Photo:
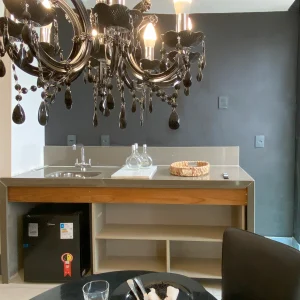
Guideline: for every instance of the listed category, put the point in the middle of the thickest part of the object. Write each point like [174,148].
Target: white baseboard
[290,241]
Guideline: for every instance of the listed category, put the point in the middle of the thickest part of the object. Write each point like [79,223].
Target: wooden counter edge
[127,195]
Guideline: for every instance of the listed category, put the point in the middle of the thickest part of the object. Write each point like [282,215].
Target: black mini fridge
[56,243]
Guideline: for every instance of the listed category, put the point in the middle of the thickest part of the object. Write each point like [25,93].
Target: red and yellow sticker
[67,259]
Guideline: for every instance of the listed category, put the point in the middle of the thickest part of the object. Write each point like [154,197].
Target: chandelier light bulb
[190,24]
[150,36]
[47,3]
[94,32]
[182,6]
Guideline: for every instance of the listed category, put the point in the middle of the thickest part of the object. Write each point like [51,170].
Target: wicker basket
[189,168]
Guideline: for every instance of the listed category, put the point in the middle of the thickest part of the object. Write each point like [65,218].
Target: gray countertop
[238,179]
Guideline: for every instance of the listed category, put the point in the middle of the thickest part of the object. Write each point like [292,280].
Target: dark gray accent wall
[252,59]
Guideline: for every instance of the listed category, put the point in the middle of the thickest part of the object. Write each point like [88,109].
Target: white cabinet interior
[184,239]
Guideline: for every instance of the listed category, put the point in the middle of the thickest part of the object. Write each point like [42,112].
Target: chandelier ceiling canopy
[111,44]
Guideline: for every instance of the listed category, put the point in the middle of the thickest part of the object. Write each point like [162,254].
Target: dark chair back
[256,268]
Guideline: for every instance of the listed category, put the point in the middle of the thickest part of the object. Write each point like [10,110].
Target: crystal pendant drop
[2,68]
[110,102]
[133,107]
[26,34]
[95,119]
[101,106]
[43,115]
[187,91]
[187,81]
[68,98]
[106,112]
[18,115]
[174,121]
[200,76]
[122,118]
[151,107]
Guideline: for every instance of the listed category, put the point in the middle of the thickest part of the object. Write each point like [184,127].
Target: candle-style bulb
[190,24]
[47,4]
[150,36]
[182,6]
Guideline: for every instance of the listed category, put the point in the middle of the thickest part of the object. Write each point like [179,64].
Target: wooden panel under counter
[235,197]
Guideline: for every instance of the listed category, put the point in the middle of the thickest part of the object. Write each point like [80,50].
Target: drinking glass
[96,290]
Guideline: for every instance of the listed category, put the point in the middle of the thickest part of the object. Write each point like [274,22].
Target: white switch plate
[105,140]
[71,140]
[223,102]
[260,141]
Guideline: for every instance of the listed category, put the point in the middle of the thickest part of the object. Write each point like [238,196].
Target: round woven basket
[189,168]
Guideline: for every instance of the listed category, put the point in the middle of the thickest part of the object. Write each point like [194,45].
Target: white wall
[28,139]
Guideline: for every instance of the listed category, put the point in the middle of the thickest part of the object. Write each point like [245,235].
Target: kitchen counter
[238,178]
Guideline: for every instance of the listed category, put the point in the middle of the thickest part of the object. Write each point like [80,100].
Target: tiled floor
[23,291]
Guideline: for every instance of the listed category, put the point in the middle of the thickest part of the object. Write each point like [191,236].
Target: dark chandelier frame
[115,50]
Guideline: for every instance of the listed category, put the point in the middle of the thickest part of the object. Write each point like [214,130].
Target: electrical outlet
[223,102]
[260,141]
[105,140]
[71,140]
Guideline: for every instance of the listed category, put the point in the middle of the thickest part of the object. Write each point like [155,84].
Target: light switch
[105,140]
[260,141]
[71,140]
[223,102]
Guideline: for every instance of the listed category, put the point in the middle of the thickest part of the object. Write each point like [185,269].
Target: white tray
[126,173]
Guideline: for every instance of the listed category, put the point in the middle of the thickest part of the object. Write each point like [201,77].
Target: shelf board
[204,268]
[123,263]
[162,232]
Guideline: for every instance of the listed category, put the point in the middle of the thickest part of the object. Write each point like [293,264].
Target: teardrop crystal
[203,63]
[2,68]
[18,115]
[106,112]
[122,118]
[43,115]
[95,119]
[150,107]
[101,106]
[68,99]
[200,76]
[110,102]
[122,123]
[187,81]
[174,121]
[133,107]
[187,91]
[26,34]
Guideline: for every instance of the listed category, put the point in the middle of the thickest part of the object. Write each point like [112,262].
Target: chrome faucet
[83,165]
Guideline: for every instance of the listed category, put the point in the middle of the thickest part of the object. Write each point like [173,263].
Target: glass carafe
[137,151]
[146,159]
[133,161]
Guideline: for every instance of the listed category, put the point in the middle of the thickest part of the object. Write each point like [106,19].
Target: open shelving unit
[173,238]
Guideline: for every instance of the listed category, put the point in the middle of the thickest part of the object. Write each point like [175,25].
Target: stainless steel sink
[73,174]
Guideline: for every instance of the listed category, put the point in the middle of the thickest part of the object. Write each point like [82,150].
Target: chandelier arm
[152,78]
[81,48]
[80,52]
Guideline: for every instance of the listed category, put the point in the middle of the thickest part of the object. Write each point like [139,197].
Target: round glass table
[73,290]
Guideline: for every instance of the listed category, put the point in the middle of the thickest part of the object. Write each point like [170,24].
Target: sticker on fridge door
[33,229]
[66,231]
[67,259]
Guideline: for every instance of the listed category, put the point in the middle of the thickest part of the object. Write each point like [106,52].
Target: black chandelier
[111,43]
